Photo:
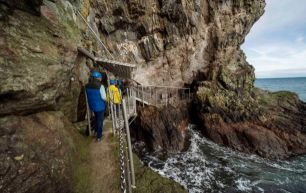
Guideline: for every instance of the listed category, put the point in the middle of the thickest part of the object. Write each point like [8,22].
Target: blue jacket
[95,102]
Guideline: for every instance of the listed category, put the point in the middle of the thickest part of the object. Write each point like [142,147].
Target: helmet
[96,74]
[112,81]
[118,81]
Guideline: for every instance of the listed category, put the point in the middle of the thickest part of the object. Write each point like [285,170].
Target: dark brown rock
[161,130]
[35,153]
[31,6]
[273,126]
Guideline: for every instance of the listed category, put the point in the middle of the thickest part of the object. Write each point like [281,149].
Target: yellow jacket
[114,94]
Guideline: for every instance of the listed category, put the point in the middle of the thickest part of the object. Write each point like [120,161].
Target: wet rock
[35,153]
[161,130]
[271,125]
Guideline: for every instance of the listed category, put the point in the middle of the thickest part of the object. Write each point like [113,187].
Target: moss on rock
[149,181]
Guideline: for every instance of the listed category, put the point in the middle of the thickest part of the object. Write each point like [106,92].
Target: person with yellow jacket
[114,95]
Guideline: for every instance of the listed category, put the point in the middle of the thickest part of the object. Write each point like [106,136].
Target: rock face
[38,59]
[40,70]
[161,130]
[180,40]
[35,153]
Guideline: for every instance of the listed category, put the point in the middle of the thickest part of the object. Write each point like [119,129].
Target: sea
[210,168]
[297,85]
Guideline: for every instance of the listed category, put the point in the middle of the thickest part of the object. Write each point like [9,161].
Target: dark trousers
[117,106]
[99,118]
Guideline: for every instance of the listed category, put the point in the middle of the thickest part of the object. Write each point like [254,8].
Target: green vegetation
[81,164]
[149,181]
[268,99]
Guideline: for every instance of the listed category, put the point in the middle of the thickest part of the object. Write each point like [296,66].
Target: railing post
[135,105]
[113,117]
[167,97]
[128,100]
[126,123]
[156,96]
[142,96]
[88,113]
[177,95]
[150,94]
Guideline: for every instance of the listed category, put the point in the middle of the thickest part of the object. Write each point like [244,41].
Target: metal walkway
[120,69]
[125,113]
[160,96]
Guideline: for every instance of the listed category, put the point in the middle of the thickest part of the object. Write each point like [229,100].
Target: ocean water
[209,168]
[297,85]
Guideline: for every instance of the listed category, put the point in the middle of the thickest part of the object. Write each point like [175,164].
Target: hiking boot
[98,140]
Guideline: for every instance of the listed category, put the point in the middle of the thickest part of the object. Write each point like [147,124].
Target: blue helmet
[96,74]
[118,81]
[112,82]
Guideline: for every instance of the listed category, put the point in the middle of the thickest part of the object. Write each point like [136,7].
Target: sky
[276,45]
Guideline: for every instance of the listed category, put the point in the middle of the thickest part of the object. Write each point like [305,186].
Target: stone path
[104,163]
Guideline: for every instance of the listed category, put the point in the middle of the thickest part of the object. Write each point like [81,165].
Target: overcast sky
[276,45]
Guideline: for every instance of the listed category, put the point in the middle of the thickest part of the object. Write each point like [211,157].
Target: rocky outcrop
[271,124]
[161,131]
[35,153]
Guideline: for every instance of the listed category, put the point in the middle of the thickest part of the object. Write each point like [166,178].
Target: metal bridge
[123,116]
[158,96]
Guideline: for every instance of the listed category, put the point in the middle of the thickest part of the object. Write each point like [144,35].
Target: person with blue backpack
[96,96]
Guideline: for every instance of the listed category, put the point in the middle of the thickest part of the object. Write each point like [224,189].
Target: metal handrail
[121,125]
[161,95]
[157,86]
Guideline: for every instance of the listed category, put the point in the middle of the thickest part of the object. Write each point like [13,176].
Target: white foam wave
[209,167]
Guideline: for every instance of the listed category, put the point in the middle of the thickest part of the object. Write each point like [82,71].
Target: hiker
[115,95]
[121,87]
[96,95]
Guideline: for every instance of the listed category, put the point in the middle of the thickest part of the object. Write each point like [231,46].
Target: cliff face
[40,75]
[181,40]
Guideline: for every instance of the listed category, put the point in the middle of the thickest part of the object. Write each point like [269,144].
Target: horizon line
[280,77]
